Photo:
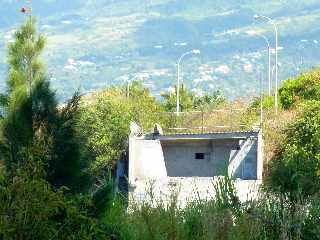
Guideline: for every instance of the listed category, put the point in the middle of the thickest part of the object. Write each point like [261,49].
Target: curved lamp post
[195,51]
[129,81]
[253,33]
[257,17]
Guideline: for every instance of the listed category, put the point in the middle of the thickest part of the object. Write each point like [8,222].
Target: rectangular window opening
[199,155]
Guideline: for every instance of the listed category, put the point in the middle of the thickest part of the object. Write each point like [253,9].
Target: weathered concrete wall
[146,159]
[187,190]
[180,157]
[169,163]
[238,158]
[260,155]
[243,163]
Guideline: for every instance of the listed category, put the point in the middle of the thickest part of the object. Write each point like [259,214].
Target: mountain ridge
[95,44]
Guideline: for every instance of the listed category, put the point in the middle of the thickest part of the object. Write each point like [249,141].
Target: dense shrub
[270,216]
[296,168]
[105,119]
[190,101]
[305,87]
[267,103]
[31,209]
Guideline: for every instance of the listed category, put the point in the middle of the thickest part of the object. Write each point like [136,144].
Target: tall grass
[271,216]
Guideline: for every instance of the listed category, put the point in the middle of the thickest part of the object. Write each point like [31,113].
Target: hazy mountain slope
[92,44]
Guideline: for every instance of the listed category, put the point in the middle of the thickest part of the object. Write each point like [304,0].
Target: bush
[105,123]
[267,103]
[305,87]
[271,216]
[31,209]
[295,170]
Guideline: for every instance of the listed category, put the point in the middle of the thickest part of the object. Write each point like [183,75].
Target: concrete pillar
[131,169]
[260,156]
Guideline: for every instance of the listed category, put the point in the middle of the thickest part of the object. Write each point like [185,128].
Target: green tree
[304,87]
[30,105]
[186,100]
[209,100]
[67,165]
[295,170]
[190,101]
[105,122]
[31,114]
[31,209]
[144,108]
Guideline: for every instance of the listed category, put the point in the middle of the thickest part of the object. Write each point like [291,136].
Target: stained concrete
[186,190]
[198,158]
[180,157]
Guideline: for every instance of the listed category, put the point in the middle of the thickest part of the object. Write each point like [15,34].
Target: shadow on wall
[210,158]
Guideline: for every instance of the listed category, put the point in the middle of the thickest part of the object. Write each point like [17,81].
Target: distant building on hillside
[191,163]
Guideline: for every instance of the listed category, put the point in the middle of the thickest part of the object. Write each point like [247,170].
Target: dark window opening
[199,155]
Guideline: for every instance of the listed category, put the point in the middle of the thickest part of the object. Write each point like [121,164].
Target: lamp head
[196,51]
[251,33]
[256,16]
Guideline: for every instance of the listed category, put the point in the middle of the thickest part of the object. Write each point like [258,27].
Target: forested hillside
[94,44]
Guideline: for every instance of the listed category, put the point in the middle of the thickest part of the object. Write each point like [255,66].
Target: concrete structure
[190,163]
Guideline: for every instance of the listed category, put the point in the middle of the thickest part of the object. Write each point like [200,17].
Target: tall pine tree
[30,104]
[31,118]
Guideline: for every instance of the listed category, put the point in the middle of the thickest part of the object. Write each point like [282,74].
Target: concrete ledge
[207,136]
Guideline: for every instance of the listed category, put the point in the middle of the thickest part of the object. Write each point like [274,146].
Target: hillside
[94,44]
[59,177]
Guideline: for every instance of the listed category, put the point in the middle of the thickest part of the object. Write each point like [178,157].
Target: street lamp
[129,81]
[257,17]
[195,51]
[253,33]
[273,68]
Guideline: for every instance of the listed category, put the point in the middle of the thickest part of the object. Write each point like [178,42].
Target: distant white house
[191,163]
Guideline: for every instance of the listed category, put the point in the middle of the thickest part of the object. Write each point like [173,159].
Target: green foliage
[305,87]
[267,103]
[31,209]
[105,125]
[105,122]
[190,101]
[29,105]
[31,114]
[27,206]
[311,228]
[144,108]
[270,216]
[67,165]
[170,100]
[209,100]
[103,197]
[295,170]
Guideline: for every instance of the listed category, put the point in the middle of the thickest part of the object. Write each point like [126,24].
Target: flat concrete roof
[207,136]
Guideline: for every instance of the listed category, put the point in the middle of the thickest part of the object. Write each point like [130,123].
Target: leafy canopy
[190,101]
[105,121]
[296,168]
[305,87]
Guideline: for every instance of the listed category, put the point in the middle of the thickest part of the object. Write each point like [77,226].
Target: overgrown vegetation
[305,87]
[296,167]
[57,182]
[105,121]
[271,216]
[190,101]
